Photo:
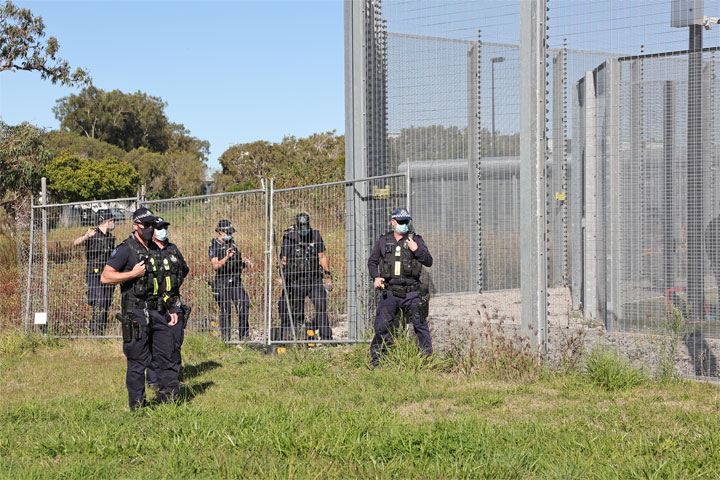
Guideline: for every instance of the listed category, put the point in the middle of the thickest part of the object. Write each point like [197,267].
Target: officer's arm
[422,253]
[110,276]
[324,263]
[374,260]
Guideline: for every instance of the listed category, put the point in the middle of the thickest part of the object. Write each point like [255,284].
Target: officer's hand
[248,262]
[138,270]
[173,319]
[90,233]
[283,262]
[412,244]
[230,253]
[379,281]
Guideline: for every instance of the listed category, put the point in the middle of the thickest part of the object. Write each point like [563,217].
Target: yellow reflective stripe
[155,286]
[168,285]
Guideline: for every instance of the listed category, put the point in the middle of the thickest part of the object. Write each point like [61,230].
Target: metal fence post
[591,206]
[30,261]
[268,187]
[45,244]
[614,229]
[533,256]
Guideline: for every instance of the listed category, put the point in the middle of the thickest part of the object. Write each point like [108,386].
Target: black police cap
[225,226]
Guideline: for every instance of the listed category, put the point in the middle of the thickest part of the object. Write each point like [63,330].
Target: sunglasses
[403,222]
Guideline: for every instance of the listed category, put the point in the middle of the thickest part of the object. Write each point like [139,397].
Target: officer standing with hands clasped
[175,270]
[99,242]
[227,288]
[146,323]
[395,265]
[304,264]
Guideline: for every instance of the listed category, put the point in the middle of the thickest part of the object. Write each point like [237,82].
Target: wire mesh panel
[642,169]
[313,230]
[70,244]
[233,306]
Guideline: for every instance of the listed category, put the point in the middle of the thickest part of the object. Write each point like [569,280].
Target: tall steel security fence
[63,253]
[555,143]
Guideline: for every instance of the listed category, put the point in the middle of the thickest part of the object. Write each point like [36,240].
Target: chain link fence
[64,249]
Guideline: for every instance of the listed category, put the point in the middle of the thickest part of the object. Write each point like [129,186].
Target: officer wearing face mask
[136,264]
[228,264]
[307,274]
[99,242]
[395,264]
[174,269]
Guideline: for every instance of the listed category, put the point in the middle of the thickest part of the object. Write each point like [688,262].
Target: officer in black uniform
[147,324]
[99,242]
[175,270]
[395,265]
[228,264]
[304,264]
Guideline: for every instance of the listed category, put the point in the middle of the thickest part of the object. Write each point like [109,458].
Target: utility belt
[401,291]
[154,304]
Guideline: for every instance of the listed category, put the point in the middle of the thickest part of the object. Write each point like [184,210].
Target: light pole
[493,61]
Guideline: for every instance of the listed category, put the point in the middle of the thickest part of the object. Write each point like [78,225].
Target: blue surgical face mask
[162,234]
[111,227]
[227,238]
[304,232]
[401,229]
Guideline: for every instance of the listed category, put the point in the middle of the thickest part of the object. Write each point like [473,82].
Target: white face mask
[401,229]
[162,234]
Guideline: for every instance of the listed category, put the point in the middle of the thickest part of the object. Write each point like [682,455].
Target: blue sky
[232,72]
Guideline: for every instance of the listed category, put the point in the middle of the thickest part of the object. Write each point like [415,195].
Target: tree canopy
[23,156]
[128,121]
[22,47]
[71,178]
[294,161]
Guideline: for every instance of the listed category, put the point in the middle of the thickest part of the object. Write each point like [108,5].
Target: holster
[186,310]
[126,324]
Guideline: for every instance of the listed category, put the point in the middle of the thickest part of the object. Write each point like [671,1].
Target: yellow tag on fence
[560,196]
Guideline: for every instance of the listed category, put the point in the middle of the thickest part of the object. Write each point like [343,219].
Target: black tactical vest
[303,260]
[398,261]
[147,287]
[171,269]
[97,251]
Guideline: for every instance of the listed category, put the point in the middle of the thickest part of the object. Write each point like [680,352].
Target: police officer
[228,264]
[305,266]
[395,265]
[175,270]
[99,242]
[147,324]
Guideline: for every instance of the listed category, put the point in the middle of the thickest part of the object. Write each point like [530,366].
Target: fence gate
[349,216]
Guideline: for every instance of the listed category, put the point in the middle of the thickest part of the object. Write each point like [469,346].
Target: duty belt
[402,290]
[156,304]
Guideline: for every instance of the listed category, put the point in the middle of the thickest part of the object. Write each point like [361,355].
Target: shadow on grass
[192,371]
[189,392]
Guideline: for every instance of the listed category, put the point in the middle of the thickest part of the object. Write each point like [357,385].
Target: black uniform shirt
[422,254]
[97,250]
[123,259]
[233,266]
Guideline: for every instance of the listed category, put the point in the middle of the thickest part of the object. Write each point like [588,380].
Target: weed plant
[609,370]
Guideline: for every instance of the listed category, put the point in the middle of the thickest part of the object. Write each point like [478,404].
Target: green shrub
[404,355]
[607,369]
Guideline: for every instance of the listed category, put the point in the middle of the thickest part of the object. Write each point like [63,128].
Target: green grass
[324,414]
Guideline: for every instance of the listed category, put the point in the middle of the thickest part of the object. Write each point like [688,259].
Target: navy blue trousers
[387,323]
[231,292]
[99,297]
[318,296]
[178,333]
[156,345]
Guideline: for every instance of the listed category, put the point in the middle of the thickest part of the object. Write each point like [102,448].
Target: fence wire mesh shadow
[69,244]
